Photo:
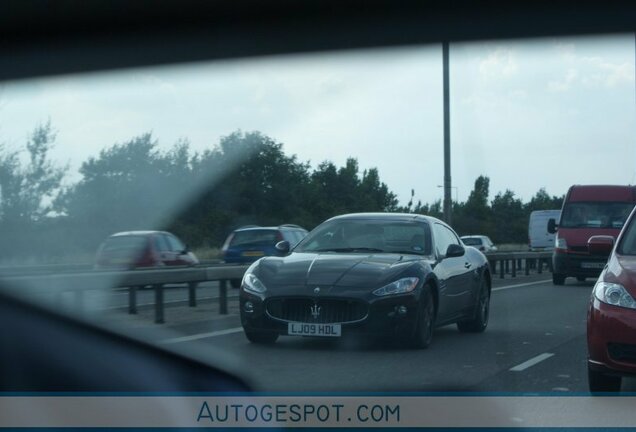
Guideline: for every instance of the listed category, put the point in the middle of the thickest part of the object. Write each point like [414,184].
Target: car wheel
[261,337]
[580,278]
[558,279]
[479,323]
[235,283]
[425,321]
[600,382]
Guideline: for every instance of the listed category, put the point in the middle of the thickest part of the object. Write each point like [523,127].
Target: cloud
[590,71]
[500,63]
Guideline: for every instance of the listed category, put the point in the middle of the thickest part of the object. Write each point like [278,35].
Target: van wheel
[558,279]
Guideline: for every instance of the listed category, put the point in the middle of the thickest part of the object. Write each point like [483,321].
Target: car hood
[329,271]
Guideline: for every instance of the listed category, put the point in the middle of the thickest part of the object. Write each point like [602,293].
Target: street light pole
[447,164]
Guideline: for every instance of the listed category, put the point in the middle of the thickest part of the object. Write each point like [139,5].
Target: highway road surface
[535,342]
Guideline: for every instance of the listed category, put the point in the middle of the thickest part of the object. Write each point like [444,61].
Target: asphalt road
[535,342]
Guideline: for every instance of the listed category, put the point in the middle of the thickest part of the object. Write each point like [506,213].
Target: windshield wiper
[349,249]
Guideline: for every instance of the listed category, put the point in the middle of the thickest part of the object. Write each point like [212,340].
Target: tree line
[246,178]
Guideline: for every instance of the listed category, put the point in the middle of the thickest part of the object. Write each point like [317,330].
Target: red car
[132,249]
[611,320]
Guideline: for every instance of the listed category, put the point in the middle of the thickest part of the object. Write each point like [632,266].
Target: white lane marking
[202,335]
[521,285]
[529,363]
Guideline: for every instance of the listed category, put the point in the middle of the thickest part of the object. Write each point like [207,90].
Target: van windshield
[595,214]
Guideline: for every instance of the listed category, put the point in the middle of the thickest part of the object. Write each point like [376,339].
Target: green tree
[28,190]
[509,219]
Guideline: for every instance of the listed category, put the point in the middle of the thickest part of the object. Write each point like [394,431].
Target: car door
[454,273]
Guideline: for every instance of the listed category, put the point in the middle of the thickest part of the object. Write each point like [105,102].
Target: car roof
[276,228]
[137,233]
[391,216]
[474,236]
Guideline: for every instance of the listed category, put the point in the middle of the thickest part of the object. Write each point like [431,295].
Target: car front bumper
[569,264]
[389,316]
[611,338]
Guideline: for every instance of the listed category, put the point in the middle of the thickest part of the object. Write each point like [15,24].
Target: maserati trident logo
[315,311]
[317,290]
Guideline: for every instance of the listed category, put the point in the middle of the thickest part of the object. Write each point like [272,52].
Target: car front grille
[321,311]
[622,352]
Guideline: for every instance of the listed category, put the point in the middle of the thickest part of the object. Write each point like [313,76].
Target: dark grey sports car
[372,273]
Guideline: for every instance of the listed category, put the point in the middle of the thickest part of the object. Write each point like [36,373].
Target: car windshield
[472,241]
[254,237]
[595,214]
[369,235]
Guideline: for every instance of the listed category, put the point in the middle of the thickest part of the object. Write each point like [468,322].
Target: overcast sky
[545,113]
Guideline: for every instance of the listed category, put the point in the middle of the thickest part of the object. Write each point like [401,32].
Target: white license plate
[592,265]
[308,329]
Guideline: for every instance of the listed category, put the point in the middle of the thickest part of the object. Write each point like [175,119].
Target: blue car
[247,244]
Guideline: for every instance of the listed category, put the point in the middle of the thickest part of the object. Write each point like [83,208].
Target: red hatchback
[132,249]
[611,321]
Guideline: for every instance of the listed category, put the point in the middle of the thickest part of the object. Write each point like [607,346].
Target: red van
[587,211]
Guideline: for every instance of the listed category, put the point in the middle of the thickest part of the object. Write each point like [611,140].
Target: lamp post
[456,191]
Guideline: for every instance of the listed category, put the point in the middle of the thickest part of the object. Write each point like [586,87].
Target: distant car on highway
[588,210]
[247,244]
[539,238]
[481,242]
[132,249]
[397,275]
[611,319]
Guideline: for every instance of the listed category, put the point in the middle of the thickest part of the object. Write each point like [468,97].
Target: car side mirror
[600,245]
[552,226]
[283,247]
[454,250]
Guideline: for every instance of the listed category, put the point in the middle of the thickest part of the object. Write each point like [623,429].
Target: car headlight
[560,243]
[398,287]
[253,284]
[614,294]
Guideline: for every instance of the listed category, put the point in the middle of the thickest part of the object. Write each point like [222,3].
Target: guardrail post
[223,297]
[493,266]
[514,268]
[549,261]
[159,304]
[507,263]
[192,294]
[132,300]
[539,265]
[527,266]
[501,269]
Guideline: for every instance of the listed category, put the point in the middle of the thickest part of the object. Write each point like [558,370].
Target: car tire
[261,337]
[558,279]
[235,283]
[580,278]
[479,322]
[599,382]
[425,325]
